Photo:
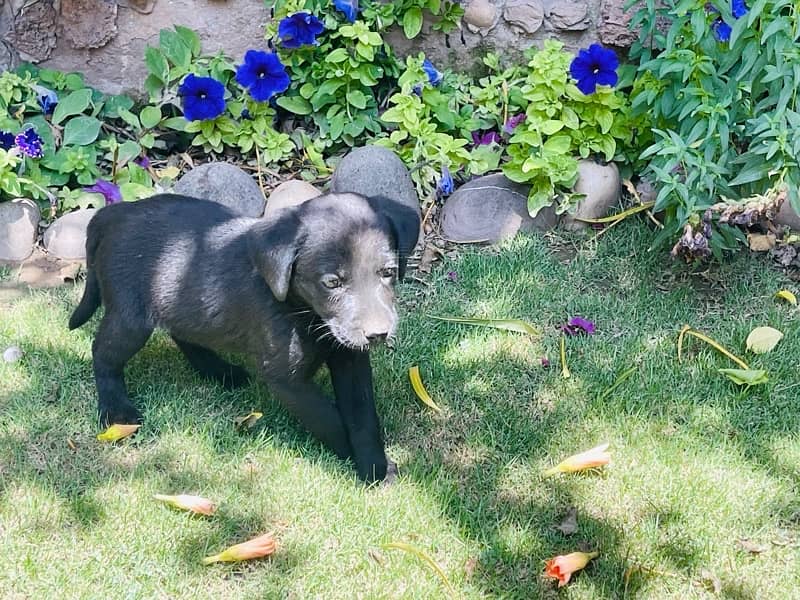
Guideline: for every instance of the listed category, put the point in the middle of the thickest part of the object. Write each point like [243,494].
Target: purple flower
[452,276]
[545,362]
[445,186]
[417,89]
[47,99]
[203,97]
[348,7]
[577,326]
[6,140]
[738,8]
[262,74]
[513,122]
[485,138]
[299,29]
[721,30]
[434,76]
[30,143]
[110,191]
[594,66]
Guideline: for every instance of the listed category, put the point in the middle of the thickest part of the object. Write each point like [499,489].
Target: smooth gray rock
[19,220]
[289,193]
[524,15]
[601,184]
[491,208]
[224,183]
[12,354]
[569,16]
[480,13]
[375,171]
[66,237]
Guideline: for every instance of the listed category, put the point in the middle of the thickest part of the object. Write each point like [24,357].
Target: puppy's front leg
[351,374]
[316,411]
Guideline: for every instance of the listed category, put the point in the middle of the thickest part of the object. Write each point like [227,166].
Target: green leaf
[150,116]
[157,64]
[190,38]
[505,324]
[412,22]
[176,123]
[81,131]
[763,339]
[74,104]
[115,103]
[128,150]
[337,56]
[551,126]
[134,191]
[175,48]
[357,98]
[295,104]
[746,377]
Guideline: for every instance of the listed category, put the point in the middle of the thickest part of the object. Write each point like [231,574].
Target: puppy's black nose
[376,338]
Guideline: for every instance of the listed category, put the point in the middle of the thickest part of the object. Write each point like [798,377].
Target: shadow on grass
[481,461]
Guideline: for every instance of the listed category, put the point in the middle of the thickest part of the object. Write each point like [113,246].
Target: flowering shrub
[719,89]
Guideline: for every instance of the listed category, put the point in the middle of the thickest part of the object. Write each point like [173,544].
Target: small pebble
[12,354]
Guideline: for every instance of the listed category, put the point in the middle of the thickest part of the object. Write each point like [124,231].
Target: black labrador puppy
[314,285]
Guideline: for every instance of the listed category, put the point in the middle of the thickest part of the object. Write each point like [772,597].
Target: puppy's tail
[89,303]
[91,294]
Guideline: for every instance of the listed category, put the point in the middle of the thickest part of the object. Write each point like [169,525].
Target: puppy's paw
[373,471]
[121,413]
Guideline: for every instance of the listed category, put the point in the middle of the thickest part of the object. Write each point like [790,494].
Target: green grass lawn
[698,463]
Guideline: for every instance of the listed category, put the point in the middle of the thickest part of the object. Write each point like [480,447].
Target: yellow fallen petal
[195,504]
[763,339]
[419,389]
[117,432]
[788,296]
[596,457]
[263,545]
[248,420]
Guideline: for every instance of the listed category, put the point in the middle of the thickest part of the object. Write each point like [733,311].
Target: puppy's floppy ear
[273,248]
[404,222]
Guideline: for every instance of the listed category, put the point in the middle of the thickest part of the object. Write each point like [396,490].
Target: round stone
[226,184]
[19,222]
[489,209]
[480,13]
[287,194]
[66,237]
[601,186]
[12,354]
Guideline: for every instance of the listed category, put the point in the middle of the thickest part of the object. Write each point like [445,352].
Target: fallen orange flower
[562,567]
[596,457]
[117,432]
[263,545]
[195,504]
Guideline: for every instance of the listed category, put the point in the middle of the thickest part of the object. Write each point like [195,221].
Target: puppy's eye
[331,281]
[388,272]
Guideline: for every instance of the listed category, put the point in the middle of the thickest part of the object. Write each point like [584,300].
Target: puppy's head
[341,255]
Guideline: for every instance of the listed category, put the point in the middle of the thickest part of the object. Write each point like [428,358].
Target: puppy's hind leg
[114,345]
[209,364]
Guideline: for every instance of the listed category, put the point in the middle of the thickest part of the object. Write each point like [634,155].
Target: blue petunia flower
[110,191]
[738,8]
[445,186]
[47,99]
[7,140]
[30,143]
[485,138]
[203,97]
[434,76]
[722,31]
[262,74]
[348,7]
[594,66]
[299,29]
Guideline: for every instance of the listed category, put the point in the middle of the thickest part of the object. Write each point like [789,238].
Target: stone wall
[105,39]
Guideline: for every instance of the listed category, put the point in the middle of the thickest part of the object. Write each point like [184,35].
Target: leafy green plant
[561,123]
[720,88]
